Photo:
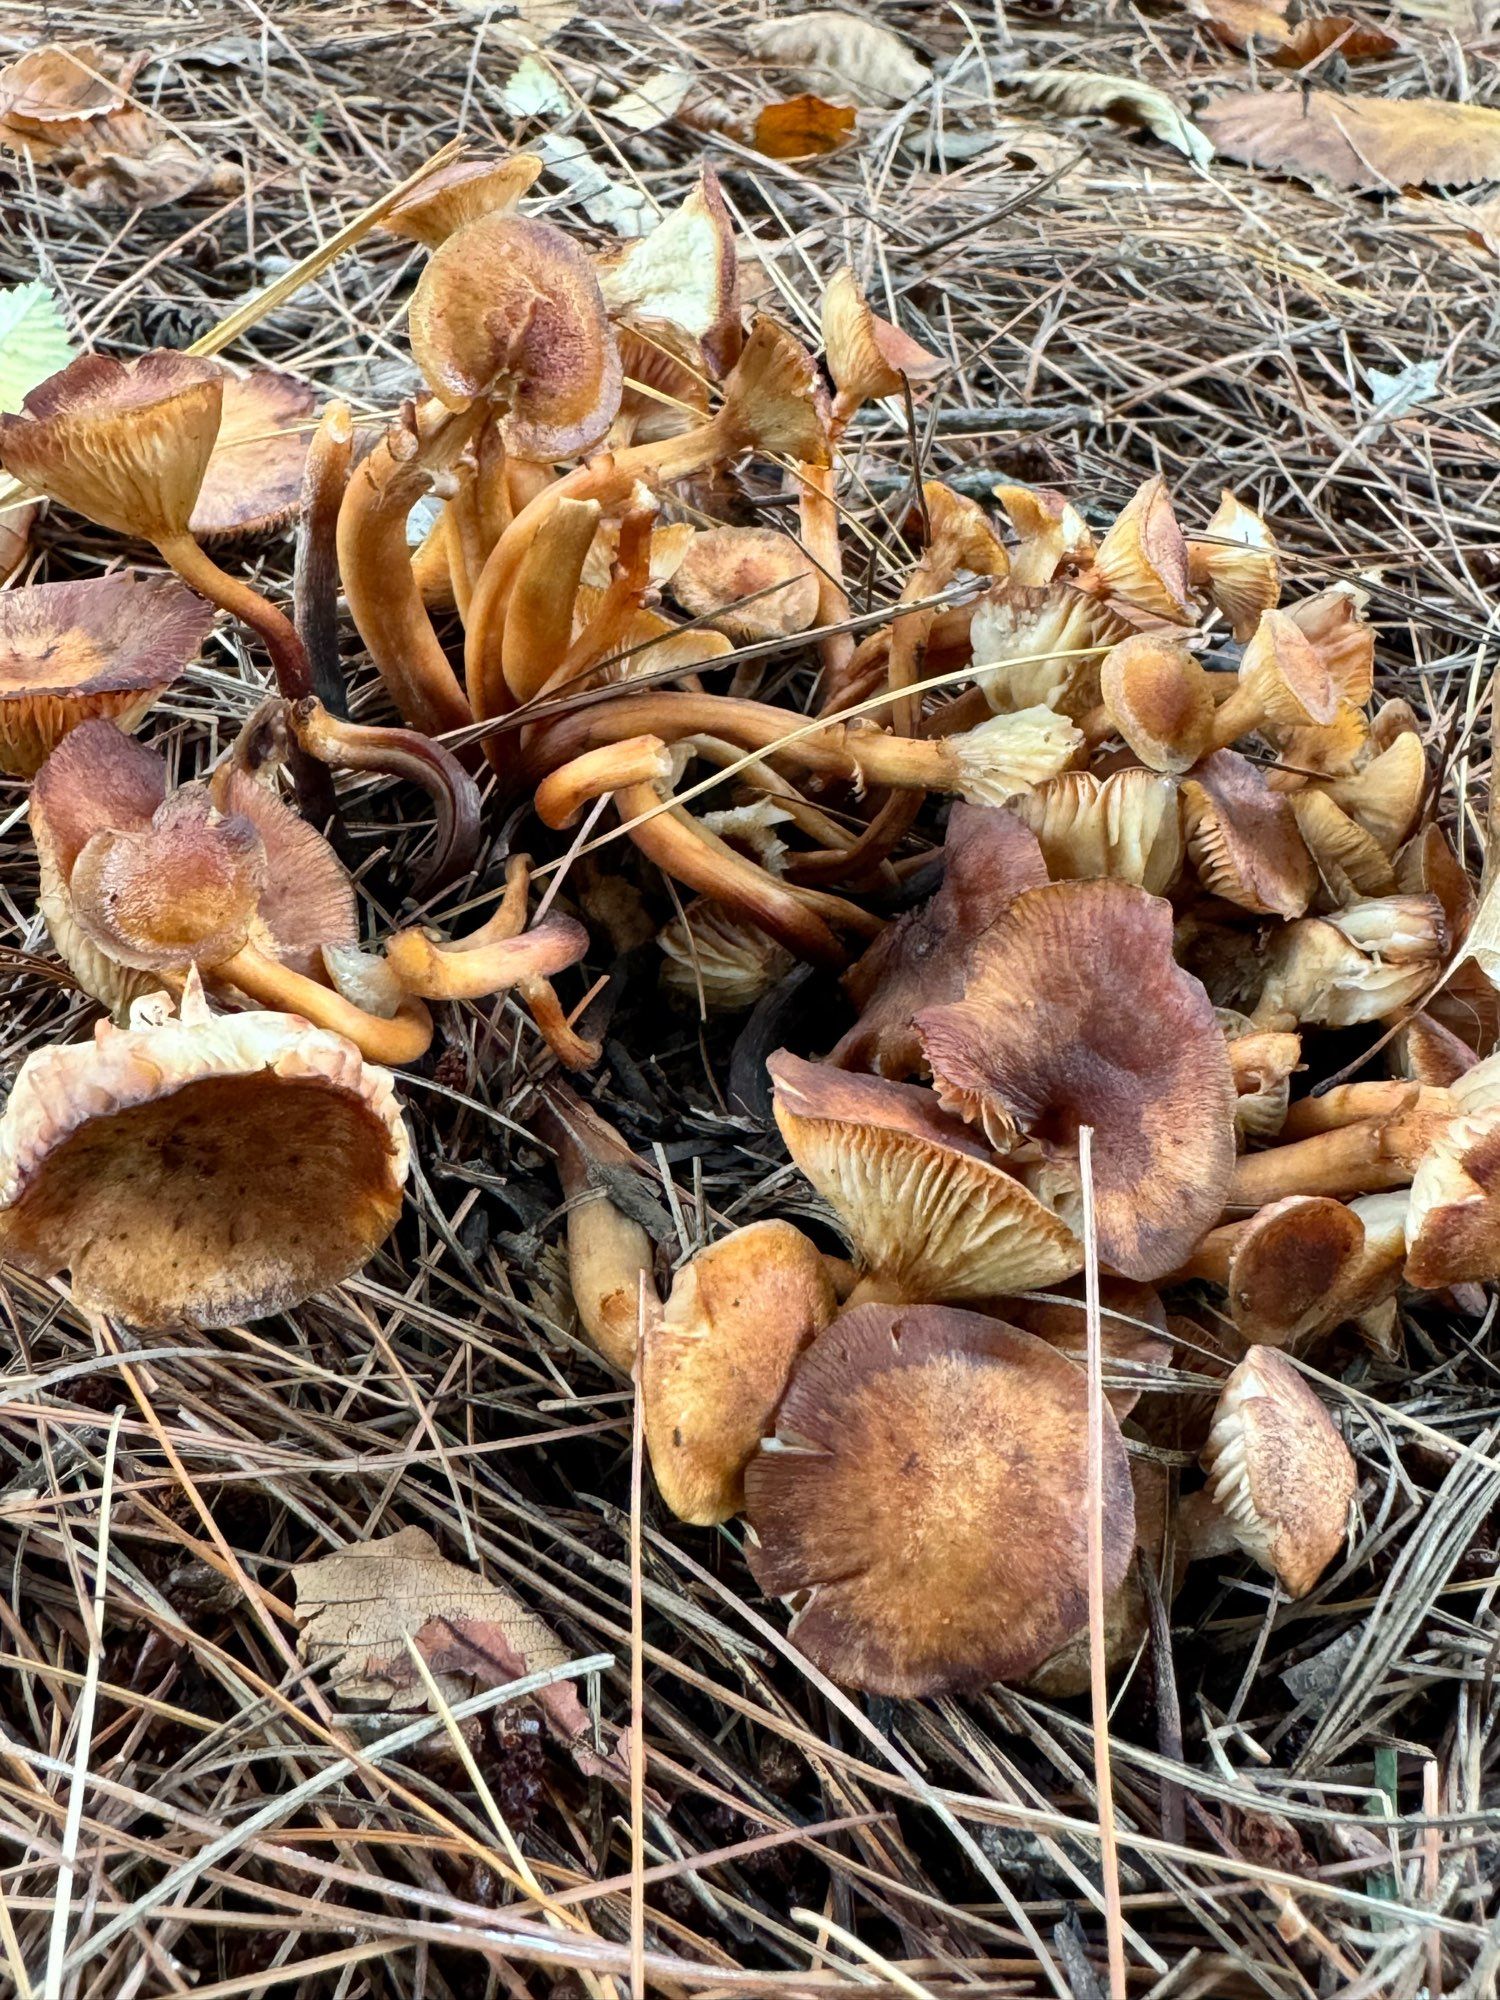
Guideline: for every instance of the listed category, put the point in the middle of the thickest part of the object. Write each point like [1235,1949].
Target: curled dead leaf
[802,126]
[1084,93]
[1358,142]
[830,48]
[1238,23]
[1313,36]
[166,172]
[72,96]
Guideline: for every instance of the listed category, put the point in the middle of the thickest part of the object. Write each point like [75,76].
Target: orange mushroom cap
[1160,700]
[1144,559]
[867,356]
[457,195]
[752,583]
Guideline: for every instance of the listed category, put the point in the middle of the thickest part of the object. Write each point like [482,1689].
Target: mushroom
[1362,963]
[1350,862]
[1077,1015]
[719,961]
[1054,537]
[1160,700]
[1133,1331]
[610,1257]
[752,583]
[922,1501]
[253,480]
[1281,1480]
[1453,1223]
[931,1215]
[459,194]
[1127,826]
[1284,1268]
[103,648]
[200,1170]
[718,1357]
[1243,838]
[1235,561]
[1046,644]
[682,277]
[1432,1054]
[1386,795]
[1143,559]
[1262,1062]
[1068,1673]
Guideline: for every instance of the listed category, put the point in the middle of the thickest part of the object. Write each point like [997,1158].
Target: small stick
[315,593]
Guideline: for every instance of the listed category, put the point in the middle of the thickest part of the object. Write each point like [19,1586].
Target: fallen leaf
[829,49]
[533,91]
[72,95]
[801,126]
[1085,92]
[166,172]
[357,1607]
[1316,34]
[34,341]
[651,103]
[1358,142]
[1238,23]
[628,211]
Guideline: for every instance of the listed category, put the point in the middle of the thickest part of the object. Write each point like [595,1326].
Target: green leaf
[34,342]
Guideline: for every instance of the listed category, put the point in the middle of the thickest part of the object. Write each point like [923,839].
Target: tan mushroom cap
[1262,1062]
[1041,644]
[1160,700]
[1453,1223]
[1243,838]
[752,583]
[1289,1264]
[103,648]
[1350,862]
[1128,826]
[923,1501]
[1386,795]
[928,1211]
[1133,1331]
[666,382]
[459,194]
[254,478]
[867,356]
[1068,1672]
[923,958]
[1279,1474]
[1052,535]
[202,1170]
[684,272]
[308,905]
[1334,622]
[1144,559]
[510,308]
[1361,963]
[1236,563]
[717,1362]
[124,443]
[1077,1014]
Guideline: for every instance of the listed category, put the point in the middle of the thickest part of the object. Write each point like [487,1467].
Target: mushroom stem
[1349,1103]
[404,753]
[539,614]
[485,963]
[1213,1256]
[405,1038]
[315,595]
[573,1051]
[564,794]
[1364,1158]
[818,514]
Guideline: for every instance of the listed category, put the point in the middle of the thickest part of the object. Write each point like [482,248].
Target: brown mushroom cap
[1160,700]
[717,1362]
[1052,534]
[200,1171]
[923,958]
[254,478]
[1289,675]
[923,1498]
[684,272]
[510,308]
[928,1211]
[1289,1265]
[1144,559]
[867,356]
[307,905]
[1453,1223]
[124,443]
[1334,622]
[752,583]
[1431,1053]
[1076,1014]
[102,648]
[1279,1474]
[459,194]
[1236,563]
[1133,1331]
[1243,840]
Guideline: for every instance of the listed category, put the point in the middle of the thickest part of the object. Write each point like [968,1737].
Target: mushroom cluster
[1183,847]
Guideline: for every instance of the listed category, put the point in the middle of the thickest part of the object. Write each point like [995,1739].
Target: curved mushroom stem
[487,962]
[315,593]
[538,632]
[375,563]
[405,1038]
[573,1051]
[1364,1158]
[403,753]
[564,794]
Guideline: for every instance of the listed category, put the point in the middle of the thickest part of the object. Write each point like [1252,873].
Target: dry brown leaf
[1238,23]
[166,172]
[356,1608]
[1316,34]
[829,49]
[71,97]
[1085,93]
[800,126]
[1358,142]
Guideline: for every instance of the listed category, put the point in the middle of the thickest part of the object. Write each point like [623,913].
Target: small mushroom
[720,961]
[253,480]
[752,583]
[1350,862]
[103,648]
[1362,963]
[1127,826]
[1243,838]
[1235,561]
[718,1358]
[1143,559]
[683,275]
[1160,700]
[1386,796]
[1262,1062]
[1453,1223]
[201,1170]
[922,1501]
[1283,1268]
[1054,538]
[457,195]
[1046,644]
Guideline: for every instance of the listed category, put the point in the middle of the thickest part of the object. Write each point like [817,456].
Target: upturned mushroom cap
[922,1501]
[726,963]
[929,1213]
[752,583]
[104,648]
[1335,624]
[1288,675]
[773,400]
[125,443]
[253,482]
[1052,535]
[1289,1264]
[1453,1222]
[1144,559]
[202,1170]
[1386,796]
[1279,1474]
[666,382]
[1242,838]
[923,958]
[716,1364]
[510,309]
[1128,826]
[1160,700]
[1236,563]
[1076,1014]
[867,356]
[1035,645]
[1009,754]
[1350,862]
[684,272]
[307,906]
[460,194]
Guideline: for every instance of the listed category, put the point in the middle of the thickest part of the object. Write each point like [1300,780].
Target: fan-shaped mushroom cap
[1287,677]
[867,356]
[102,648]
[1261,1061]
[1386,796]
[1453,1223]
[1041,645]
[1144,559]
[1334,622]
[1243,840]
[253,482]
[1132,1329]
[202,1170]
[1279,1474]
[923,958]
[1010,753]
[1052,534]
[684,272]
[923,1500]
[307,906]
[1236,563]
[1128,826]
[1350,862]
[717,1362]
[1427,866]
[929,1213]
[460,194]
[752,583]
[1160,700]
[509,308]
[124,443]
[773,400]
[1076,1014]
[724,961]
[1360,963]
